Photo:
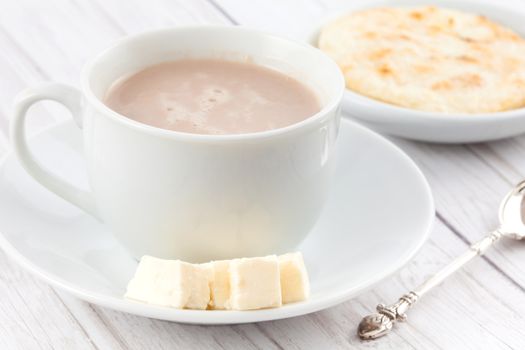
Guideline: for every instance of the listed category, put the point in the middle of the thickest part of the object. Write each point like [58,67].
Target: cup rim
[333,102]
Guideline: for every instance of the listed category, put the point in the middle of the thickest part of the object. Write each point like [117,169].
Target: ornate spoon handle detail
[376,325]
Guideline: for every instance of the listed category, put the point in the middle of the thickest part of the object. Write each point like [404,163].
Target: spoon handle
[378,324]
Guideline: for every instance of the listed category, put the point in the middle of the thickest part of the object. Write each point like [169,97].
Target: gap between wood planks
[223,12]
[72,315]
[465,240]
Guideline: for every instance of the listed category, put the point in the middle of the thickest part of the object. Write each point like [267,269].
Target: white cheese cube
[295,285]
[254,283]
[219,275]
[197,282]
[172,283]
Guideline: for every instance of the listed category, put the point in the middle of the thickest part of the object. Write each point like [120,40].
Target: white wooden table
[481,307]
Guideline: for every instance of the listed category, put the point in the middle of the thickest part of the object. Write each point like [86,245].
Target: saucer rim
[217,317]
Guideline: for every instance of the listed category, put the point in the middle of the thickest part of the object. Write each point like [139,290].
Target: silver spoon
[512,225]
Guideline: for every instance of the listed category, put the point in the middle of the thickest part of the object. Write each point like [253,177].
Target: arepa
[429,58]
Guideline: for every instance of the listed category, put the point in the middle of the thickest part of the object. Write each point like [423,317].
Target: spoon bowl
[512,213]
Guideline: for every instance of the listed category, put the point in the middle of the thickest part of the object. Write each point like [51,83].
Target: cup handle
[72,100]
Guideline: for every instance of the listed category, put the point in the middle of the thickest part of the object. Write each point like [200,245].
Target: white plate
[427,126]
[379,214]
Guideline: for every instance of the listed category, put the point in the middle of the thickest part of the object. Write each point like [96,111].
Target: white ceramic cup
[197,197]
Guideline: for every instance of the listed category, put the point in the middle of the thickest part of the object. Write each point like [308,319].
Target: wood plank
[291,19]
[468,310]
[33,317]
[3,142]
[467,192]
[143,16]
[450,317]
[107,21]
[69,33]
[18,72]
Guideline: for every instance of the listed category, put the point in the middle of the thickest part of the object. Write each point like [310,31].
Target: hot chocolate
[212,96]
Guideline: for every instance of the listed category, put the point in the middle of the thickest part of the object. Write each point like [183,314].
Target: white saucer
[378,216]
